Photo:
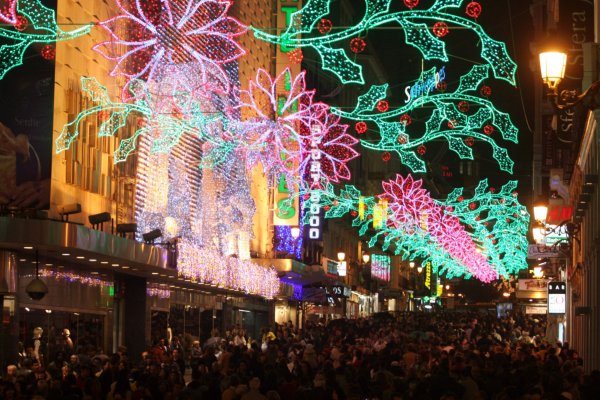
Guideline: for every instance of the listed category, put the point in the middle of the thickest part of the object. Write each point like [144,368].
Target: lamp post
[552,69]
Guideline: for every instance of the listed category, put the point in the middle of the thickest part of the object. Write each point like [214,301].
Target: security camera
[36,289]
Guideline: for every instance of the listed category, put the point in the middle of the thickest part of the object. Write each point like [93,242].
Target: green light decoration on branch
[494,221]
[162,121]
[303,32]
[35,23]
[459,117]
[497,221]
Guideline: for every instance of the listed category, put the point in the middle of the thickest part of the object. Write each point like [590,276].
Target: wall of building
[86,174]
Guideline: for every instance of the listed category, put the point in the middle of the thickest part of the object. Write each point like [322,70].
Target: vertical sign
[286,209]
[428,274]
[314,201]
[557,297]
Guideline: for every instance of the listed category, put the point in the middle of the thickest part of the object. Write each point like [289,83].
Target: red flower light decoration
[422,149]
[8,11]
[295,56]
[486,91]
[473,9]
[151,34]
[488,129]
[440,29]
[48,52]
[336,148]
[411,3]
[469,141]
[357,45]
[360,127]
[406,119]
[463,106]
[324,26]
[386,156]
[383,106]
[22,23]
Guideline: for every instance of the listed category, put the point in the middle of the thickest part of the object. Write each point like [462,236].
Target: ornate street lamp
[552,69]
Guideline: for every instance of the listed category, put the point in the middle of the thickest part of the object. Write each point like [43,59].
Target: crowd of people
[420,356]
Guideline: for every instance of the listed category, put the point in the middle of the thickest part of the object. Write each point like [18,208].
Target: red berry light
[48,52]
[22,23]
[473,9]
[357,45]
[440,29]
[360,127]
[383,106]
[422,149]
[486,91]
[295,56]
[402,138]
[469,141]
[488,129]
[406,119]
[386,156]
[463,106]
[324,26]
[411,3]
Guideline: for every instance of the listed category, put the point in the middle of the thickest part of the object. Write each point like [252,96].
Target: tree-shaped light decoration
[497,221]
[29,22]
[417,24]
[149,35]
[482,240]
[459,117]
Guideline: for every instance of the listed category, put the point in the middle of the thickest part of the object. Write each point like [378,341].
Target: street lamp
[295,232]
[540,210]
[365,258]
[552,69]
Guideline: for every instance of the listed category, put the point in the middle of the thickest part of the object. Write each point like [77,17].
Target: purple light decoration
[285,241]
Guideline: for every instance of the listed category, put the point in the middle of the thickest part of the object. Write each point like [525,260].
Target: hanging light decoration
[357,45]
[324,26]
[473,9]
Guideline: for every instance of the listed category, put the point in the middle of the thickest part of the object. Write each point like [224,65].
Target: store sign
[314,205]
[557,297]
[536,251]
[285,210]
[426,85]
[381,267]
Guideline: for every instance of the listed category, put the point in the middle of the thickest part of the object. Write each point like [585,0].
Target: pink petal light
[413,207]
[8,11]
[151,34]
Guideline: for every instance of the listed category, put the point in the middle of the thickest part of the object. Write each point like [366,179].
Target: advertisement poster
[26,114]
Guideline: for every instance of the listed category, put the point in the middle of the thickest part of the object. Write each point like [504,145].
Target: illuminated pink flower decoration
[335,148]
[406,198]
[274,126]
[8,11]
[152,33]
[412,207]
